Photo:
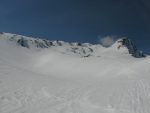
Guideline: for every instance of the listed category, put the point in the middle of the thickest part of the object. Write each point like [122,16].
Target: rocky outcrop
[131,48]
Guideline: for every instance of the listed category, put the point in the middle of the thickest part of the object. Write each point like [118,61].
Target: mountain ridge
[84,49]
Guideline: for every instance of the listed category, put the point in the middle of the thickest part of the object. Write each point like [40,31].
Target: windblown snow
[41,76]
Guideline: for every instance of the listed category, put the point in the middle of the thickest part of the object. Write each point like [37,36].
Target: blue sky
[78,20]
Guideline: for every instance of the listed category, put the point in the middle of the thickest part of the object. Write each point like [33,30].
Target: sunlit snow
[59,80]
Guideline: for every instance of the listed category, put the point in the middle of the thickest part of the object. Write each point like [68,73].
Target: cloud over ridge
[107,40]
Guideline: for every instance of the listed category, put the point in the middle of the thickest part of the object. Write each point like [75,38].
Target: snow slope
[60,77]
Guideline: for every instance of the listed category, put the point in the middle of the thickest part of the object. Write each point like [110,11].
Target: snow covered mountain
[42,76]
[82,49]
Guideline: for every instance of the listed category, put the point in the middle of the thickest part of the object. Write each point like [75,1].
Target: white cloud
[107,41]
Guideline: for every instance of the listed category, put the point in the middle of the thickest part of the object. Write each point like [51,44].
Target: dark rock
[91,50]
[59,43]
[23,42]
[131,48]
[79,44]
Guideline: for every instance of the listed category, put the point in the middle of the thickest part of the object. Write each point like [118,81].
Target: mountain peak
[132,49]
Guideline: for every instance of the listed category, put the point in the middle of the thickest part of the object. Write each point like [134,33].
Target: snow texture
[42,76]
